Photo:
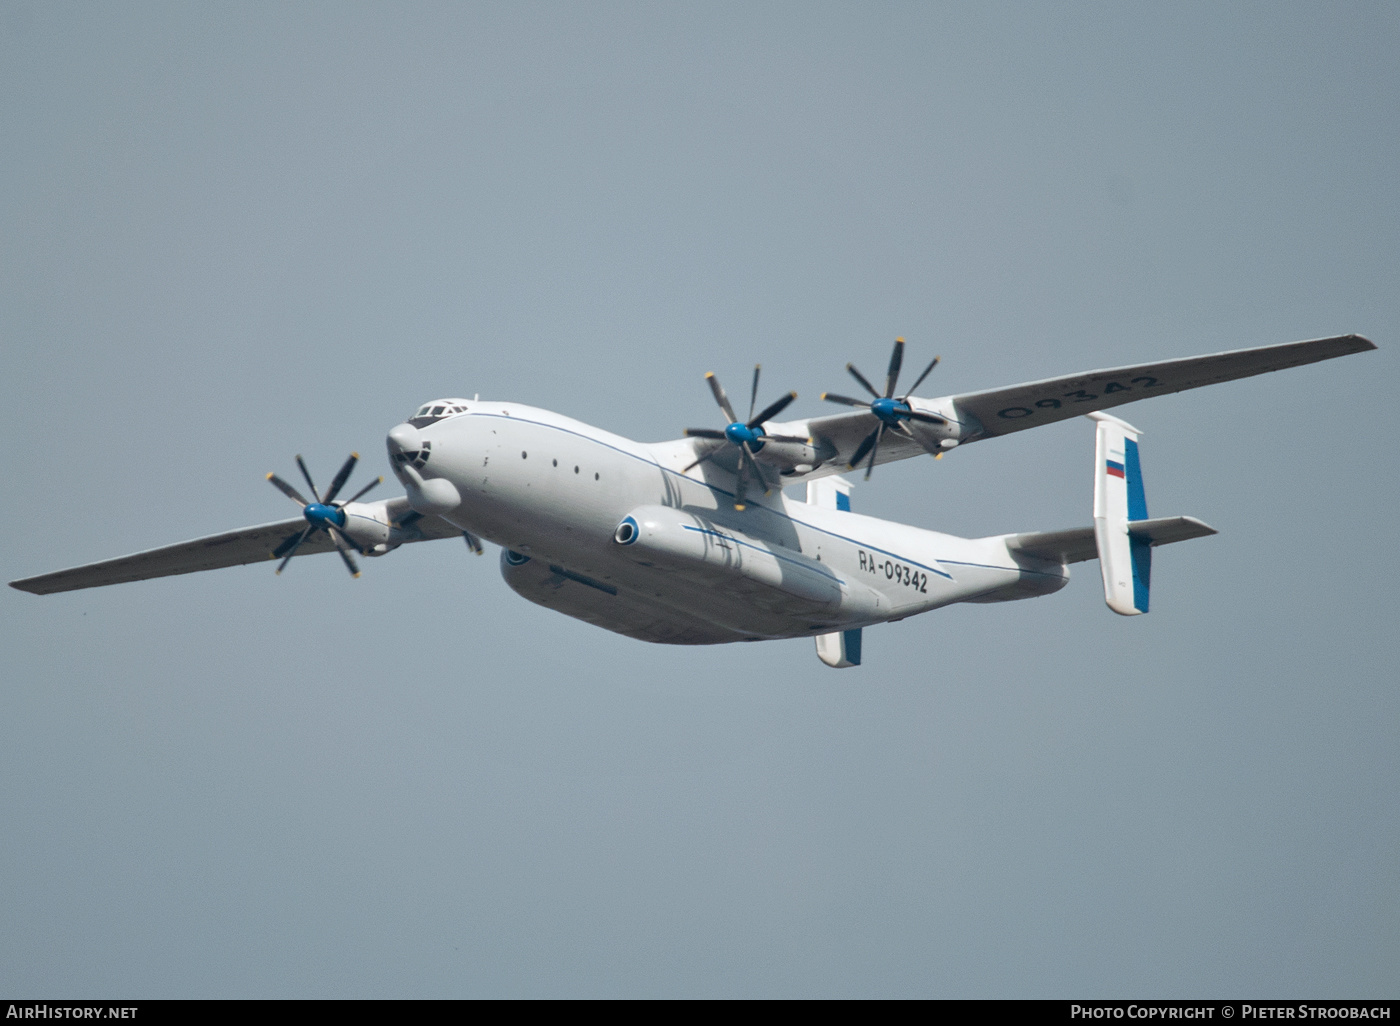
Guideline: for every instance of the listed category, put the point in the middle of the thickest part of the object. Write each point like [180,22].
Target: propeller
[892,413]
[748,435]
[325,514]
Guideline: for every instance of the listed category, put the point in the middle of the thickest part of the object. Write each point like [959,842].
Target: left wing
[987,414]
[232,548]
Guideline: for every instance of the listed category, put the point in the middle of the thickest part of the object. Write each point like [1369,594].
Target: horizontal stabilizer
[1077,544]
[1072,546]
[1165,530]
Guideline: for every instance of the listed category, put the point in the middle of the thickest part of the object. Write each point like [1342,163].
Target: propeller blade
[741,480]
[341,477]
[862,449]
[707,456]
[356,497]
[343,549]
[704,433]
[896,361]
[845,400]
[753,395]
[287,489]
[851,369]
[927,418]
[915,387]
[292,553]
[875,450]
[307,474]
[721,398]
[772,411]
[286,544]
[753,467]
[929,447]
[786,438]
[473,542]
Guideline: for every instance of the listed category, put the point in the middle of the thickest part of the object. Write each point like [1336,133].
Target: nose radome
[403,438]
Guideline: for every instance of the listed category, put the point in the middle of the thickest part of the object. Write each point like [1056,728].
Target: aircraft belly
[618,609]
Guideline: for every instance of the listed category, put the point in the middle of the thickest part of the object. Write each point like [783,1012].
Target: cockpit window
[440,409]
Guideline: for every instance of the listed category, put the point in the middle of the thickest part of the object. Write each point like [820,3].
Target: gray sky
[232,234]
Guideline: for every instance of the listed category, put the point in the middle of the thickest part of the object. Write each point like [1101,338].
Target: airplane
[694,542]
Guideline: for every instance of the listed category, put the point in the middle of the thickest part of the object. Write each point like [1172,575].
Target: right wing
[232,548]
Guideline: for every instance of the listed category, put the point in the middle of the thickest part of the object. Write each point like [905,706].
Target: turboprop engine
[786,453]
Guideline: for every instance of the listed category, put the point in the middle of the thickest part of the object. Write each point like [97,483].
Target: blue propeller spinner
[747,436]
[892,413]
[325,514]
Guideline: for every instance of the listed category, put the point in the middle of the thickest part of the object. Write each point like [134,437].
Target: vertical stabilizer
[1125,560]
[839,649]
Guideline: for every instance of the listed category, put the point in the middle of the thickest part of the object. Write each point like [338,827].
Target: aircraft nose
[403,438]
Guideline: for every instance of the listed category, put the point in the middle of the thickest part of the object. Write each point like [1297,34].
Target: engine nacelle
[793,457]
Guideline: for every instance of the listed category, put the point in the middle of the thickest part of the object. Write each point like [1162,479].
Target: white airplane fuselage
[554,493]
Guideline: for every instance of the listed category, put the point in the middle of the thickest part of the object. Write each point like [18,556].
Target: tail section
[1125,557]
[840,649]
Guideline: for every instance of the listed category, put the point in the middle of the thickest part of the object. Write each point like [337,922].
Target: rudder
[1125,559]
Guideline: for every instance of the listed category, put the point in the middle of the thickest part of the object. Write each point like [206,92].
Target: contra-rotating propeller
[891,412]
[325,514]
[747,435]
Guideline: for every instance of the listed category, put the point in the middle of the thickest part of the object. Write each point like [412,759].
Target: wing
[1000,411]
[232,548]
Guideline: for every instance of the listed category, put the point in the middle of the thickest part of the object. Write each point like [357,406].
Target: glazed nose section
[409,452]
[403,439]
[407,447]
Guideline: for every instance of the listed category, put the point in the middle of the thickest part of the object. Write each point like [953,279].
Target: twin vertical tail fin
[840,649]
[1125,557]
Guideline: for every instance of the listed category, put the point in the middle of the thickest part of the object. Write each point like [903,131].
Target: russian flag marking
[1115,469]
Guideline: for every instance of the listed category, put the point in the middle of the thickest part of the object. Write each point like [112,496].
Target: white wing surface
[232,548]
[1000,411]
